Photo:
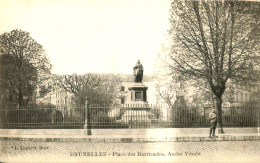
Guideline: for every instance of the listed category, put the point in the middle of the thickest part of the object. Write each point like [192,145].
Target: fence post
[87,118]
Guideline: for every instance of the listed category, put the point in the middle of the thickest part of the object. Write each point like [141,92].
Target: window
[138,96]
[122,88]
[144,96]
[122,100]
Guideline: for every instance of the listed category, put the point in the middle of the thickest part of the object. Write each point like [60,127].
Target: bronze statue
[138,72]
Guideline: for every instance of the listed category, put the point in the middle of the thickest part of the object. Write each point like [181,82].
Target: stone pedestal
[138,93]
[137,110]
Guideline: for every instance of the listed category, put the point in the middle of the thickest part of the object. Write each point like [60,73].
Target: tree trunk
[20,99]
[20,92]
[219,113]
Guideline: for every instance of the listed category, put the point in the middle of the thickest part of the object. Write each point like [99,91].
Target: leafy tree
[9,80]
[43,90]
[25,62]
[215,41]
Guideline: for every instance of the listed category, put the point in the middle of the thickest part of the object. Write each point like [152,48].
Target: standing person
[213,123]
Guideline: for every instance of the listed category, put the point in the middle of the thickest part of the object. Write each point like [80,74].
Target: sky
[92,36]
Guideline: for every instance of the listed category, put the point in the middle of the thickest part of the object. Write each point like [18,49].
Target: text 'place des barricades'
[125,116]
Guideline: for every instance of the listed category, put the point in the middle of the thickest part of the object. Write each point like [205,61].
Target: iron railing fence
[125,116]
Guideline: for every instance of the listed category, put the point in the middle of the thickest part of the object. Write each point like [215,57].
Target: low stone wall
[110,132]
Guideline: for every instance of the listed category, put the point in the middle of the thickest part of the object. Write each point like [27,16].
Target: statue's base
[138,93]
[137,86]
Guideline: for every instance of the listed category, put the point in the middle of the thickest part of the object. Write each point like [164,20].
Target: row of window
[248,88]
[242,97]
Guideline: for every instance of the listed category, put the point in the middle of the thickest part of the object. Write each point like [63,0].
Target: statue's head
[138,61]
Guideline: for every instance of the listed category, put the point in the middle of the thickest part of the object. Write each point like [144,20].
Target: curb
[136,140]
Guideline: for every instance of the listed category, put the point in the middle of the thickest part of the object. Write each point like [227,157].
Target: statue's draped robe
[138,72]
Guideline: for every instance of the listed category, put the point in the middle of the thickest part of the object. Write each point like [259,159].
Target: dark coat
[213,120]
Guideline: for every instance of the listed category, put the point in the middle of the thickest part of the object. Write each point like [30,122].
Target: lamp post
[87,118]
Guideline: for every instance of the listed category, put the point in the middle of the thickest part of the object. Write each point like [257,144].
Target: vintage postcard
[129,81]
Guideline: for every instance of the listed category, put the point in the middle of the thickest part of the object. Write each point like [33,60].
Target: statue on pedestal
[138,72]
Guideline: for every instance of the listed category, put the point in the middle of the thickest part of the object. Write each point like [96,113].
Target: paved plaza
[209,151]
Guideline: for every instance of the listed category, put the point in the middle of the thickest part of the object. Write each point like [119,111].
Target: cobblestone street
[219,151]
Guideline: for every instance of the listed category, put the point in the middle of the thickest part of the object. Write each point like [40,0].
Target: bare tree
[170,87]
[214,41]
[96,88]
[26,64]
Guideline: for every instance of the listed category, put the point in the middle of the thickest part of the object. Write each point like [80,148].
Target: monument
[137,110]
[138,89]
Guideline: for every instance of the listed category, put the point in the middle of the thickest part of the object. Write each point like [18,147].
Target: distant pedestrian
[213,122]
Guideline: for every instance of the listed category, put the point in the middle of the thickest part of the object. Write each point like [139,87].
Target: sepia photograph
[130,81]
